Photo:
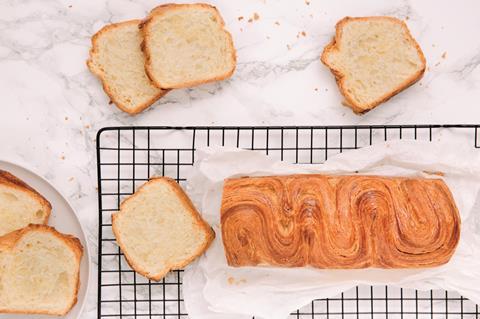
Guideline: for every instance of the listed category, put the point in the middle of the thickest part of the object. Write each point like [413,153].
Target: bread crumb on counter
[255,17]
[240,18]
[232,281]
[434,173]
[444,55]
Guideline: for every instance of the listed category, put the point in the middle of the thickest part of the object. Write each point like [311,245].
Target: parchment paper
[212,289]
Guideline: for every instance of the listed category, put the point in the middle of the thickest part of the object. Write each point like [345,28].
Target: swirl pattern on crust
[343,222]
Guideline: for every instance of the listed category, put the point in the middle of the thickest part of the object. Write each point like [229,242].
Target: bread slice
[373,58]
[187,45]
[39,271]
[158,229]
[117,60]
[20,204]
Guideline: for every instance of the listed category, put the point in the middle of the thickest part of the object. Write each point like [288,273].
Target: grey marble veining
[52,106]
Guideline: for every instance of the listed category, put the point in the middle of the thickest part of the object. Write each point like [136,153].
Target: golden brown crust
[11,180]
[159,10]
[100,76]
[338,222]
[8,242]
[339,76]
[200,222]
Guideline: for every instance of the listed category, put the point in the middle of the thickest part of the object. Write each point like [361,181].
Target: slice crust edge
[339,75]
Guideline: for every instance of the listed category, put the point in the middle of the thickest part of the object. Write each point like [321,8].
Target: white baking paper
[214,290]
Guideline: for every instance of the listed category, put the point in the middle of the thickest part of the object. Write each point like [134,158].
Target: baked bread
[187,45]
[158,229]
[117,60]
[338,222]
[373,58]
[20,204]
[39,271]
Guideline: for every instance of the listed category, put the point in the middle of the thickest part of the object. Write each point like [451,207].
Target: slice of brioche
[117,60]
[39,271]
[20,204]
[373,58]
[158,229]
[187,45]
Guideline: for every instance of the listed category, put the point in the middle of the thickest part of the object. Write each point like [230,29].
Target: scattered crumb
[437,64]
[434,173]
[428,68]
[111,102]
[421,84]
[71,179]
[62,157]
[255,17]
[344,103]
[303,34]
[307,2]
[277,23]
[66,118]
[232,281]
[407,18]
[241,29]
[311,15]
[289,46]
[444,55]
[326,90]
[433,45]
[87,126]
[316,89]
[70,6]
[240,18]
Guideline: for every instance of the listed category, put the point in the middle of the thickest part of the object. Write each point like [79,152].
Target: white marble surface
[52,106]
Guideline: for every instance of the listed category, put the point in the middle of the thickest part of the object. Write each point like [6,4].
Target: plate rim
[86,248]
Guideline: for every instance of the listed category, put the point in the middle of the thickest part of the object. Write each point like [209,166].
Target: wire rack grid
[129,156]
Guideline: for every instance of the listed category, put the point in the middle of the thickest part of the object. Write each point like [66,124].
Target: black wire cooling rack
[128,156]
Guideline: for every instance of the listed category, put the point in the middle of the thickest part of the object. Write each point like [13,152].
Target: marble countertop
[52,106]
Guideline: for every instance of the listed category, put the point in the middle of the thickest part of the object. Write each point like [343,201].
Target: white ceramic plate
[63,218]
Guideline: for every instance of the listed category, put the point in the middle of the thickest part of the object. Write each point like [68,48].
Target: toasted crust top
[334,45]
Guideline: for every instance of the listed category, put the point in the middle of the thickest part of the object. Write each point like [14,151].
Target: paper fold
[214,290]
